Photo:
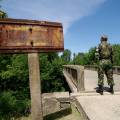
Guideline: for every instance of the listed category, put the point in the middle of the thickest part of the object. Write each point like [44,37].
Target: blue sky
[84,21]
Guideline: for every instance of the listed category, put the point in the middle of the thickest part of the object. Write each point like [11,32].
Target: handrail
[76,75]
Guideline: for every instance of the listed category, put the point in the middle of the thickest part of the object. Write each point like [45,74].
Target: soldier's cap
[104,38]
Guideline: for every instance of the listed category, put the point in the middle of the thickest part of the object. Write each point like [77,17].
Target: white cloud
[65,11]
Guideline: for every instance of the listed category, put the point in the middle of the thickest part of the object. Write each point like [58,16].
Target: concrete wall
[55,102]
[75,73]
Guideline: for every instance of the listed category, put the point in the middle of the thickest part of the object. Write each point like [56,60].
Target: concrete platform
[91,81]
[77,94]
[92,105]
[99,107]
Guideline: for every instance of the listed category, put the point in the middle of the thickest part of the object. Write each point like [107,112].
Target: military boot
[100,89]
[111,89]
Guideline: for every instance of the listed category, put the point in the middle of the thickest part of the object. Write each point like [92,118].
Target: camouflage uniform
[105,57]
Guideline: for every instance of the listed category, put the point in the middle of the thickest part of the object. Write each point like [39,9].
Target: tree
[85,58]
[91,56]
[14,74]
[3,14]
[66,56]
[51,72]
[78,59]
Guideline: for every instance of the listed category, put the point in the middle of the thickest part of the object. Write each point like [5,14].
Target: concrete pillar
[35,86]
[80,80]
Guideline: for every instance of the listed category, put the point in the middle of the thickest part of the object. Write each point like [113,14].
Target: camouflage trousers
[105,67]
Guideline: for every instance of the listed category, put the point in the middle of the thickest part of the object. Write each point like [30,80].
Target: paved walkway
[100,107]
[91,80]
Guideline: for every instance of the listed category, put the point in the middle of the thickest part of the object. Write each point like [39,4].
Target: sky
[84,21]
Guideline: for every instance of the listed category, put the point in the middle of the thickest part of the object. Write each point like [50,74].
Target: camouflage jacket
[104,51]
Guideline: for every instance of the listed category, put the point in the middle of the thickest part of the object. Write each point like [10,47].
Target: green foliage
[85,58]
[14,74]
[66,56]
[91,56]
[3,14]
[22,107]
[10,106]
[116,54]
[90,59]
[57,72]
[7,103]
[78,59]
[51,72]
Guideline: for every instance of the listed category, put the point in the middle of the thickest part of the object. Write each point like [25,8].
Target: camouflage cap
[104,38]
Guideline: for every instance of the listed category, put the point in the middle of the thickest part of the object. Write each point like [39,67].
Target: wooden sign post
[32,37]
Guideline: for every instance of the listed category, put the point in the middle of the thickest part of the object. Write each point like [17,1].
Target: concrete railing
[91,67]
[75,73]
[116,69]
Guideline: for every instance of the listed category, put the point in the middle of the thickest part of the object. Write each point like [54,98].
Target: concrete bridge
[83,84]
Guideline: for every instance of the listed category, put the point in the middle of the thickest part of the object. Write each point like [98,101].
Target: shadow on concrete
[104,89]
[58,114]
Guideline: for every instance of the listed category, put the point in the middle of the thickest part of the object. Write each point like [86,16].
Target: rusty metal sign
[26,36]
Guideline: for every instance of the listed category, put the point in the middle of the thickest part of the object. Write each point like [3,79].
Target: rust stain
[30,36]
[26,28]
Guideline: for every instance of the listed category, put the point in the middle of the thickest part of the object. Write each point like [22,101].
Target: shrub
[7,103]
[11,107]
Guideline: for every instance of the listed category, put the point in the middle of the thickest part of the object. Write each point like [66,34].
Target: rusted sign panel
[18,36]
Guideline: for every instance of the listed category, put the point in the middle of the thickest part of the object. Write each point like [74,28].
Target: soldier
[104,53]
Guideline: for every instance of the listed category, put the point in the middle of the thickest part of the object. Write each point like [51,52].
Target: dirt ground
[74,115]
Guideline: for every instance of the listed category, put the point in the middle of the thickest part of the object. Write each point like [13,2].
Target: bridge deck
[91,80]
[97,107]
[92,105]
